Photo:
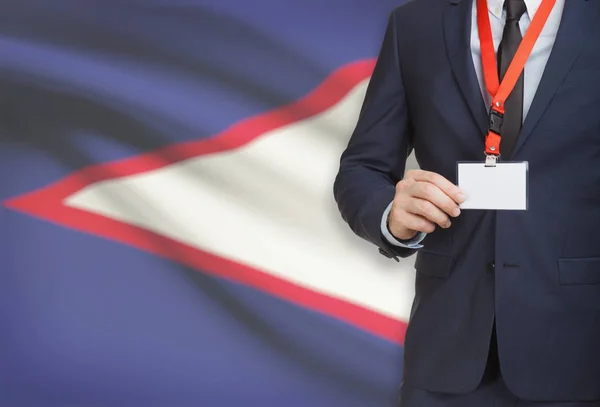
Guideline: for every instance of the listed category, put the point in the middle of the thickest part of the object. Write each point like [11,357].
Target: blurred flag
[169,236]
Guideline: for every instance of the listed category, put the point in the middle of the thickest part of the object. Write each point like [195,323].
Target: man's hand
[423,199]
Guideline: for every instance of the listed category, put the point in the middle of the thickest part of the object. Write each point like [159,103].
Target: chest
[538,58]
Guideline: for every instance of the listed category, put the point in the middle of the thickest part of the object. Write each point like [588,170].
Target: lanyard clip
[493,138]
[496,120]
[490,160]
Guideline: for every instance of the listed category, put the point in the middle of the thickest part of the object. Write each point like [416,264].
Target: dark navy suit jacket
[544,290]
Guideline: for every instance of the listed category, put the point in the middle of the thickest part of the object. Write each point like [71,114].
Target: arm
[375,158]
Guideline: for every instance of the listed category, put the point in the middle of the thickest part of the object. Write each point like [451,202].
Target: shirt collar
[496,7]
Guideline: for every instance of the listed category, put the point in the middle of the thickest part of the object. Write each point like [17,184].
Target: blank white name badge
[501,187]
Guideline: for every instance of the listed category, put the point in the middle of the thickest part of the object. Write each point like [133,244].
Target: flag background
[168,234]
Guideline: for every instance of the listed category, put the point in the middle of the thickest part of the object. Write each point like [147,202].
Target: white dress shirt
[534,68]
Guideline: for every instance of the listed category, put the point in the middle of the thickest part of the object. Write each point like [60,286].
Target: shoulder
[419,9]
[416,18]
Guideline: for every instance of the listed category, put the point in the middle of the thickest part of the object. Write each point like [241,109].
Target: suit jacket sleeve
[375,158]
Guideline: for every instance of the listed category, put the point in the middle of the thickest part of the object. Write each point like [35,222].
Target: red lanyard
[501,91]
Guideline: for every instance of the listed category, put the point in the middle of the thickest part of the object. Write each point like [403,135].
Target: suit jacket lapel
[457,35]
[577,20]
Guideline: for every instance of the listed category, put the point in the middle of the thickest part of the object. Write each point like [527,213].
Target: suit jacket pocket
[433,264]
[579,271]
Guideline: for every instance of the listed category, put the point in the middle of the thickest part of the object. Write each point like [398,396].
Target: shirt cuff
[413,243]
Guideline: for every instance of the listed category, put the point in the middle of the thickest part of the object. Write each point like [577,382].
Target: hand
[423,200]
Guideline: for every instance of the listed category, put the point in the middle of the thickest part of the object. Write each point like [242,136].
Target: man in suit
[507,303]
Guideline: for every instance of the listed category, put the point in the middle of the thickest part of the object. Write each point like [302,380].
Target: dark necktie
[513,107]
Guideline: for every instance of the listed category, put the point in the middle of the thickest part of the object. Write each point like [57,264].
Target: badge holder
[503,186]
[494,185]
